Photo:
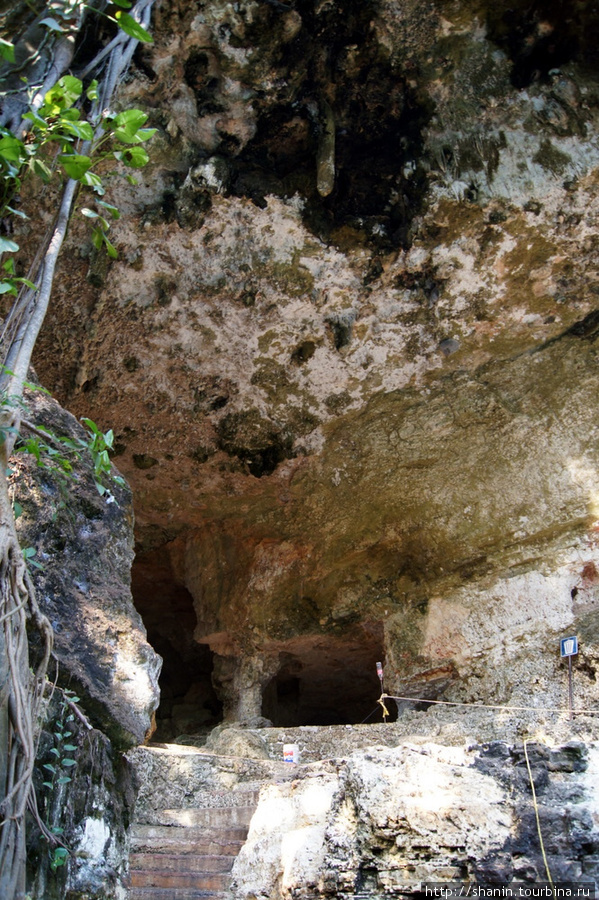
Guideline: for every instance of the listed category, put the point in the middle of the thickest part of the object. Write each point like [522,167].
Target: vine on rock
[56,125]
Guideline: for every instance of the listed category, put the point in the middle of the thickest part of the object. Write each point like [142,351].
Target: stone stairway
[187,854]
[192,817]
[194,806]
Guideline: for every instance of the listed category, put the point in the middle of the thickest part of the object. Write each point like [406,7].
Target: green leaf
[7,50]
[70,748]
[47,784]
[92,91]
[144,134]
[68,762]
[110,248]
[135,157]
[75,165]
[127,124]
[17,212]
[124,4]
[17,509]
[64,779]
[69,115]
[88,213]
[29,552]
[8,287]
[40,169]
[97,238]
[130,119]
[65,92]
[49,767]
[8,246]
[54,751]
[133,28]
[12,148]
[113,210]
[29,284]
[89,423]
[39,121]
[93,181]
[81,130]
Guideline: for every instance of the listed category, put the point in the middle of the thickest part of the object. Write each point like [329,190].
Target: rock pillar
[239,682]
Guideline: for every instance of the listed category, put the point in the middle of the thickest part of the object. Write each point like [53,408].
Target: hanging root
[21,696]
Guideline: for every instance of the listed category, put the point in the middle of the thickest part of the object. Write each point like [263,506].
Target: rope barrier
[536,807]
[559,709]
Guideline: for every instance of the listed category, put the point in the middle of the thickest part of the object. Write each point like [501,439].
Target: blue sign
[568,646]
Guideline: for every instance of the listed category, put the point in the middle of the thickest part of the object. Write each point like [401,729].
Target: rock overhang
[323,428]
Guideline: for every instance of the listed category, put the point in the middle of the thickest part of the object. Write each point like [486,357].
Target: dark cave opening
[188,701]
[322,679]
[327,680]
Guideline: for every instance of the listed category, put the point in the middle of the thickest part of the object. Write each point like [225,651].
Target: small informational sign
[569,646]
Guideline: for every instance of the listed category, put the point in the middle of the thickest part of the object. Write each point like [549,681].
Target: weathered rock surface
[85,793]
[349,352]
[390,819]
[380,820]
[83,548]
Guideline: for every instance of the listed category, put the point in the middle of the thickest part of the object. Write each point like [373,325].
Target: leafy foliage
[61,141]
[56,772]
[57,454]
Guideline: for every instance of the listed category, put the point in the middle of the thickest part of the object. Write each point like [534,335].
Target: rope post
[379,672]
[570,690]
[569,648]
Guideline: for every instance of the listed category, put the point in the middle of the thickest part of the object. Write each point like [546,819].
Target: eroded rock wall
[392,819]
[82,551]
[349,352]
[102,688]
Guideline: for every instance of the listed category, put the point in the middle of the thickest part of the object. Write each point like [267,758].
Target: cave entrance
[188,702]
[327,680]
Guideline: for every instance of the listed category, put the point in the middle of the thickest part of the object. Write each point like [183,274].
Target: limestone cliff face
[380,811]
[81,563]
[390,820]
[80,546]
[349,351]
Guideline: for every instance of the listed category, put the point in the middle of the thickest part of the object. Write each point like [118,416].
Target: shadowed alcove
[314,677]
[327,680]
[188,701]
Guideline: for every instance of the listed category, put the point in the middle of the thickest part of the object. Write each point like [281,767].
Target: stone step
[196,881]
[209,845]
[223,798]
[208,817]
[180,862]
[151,893]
